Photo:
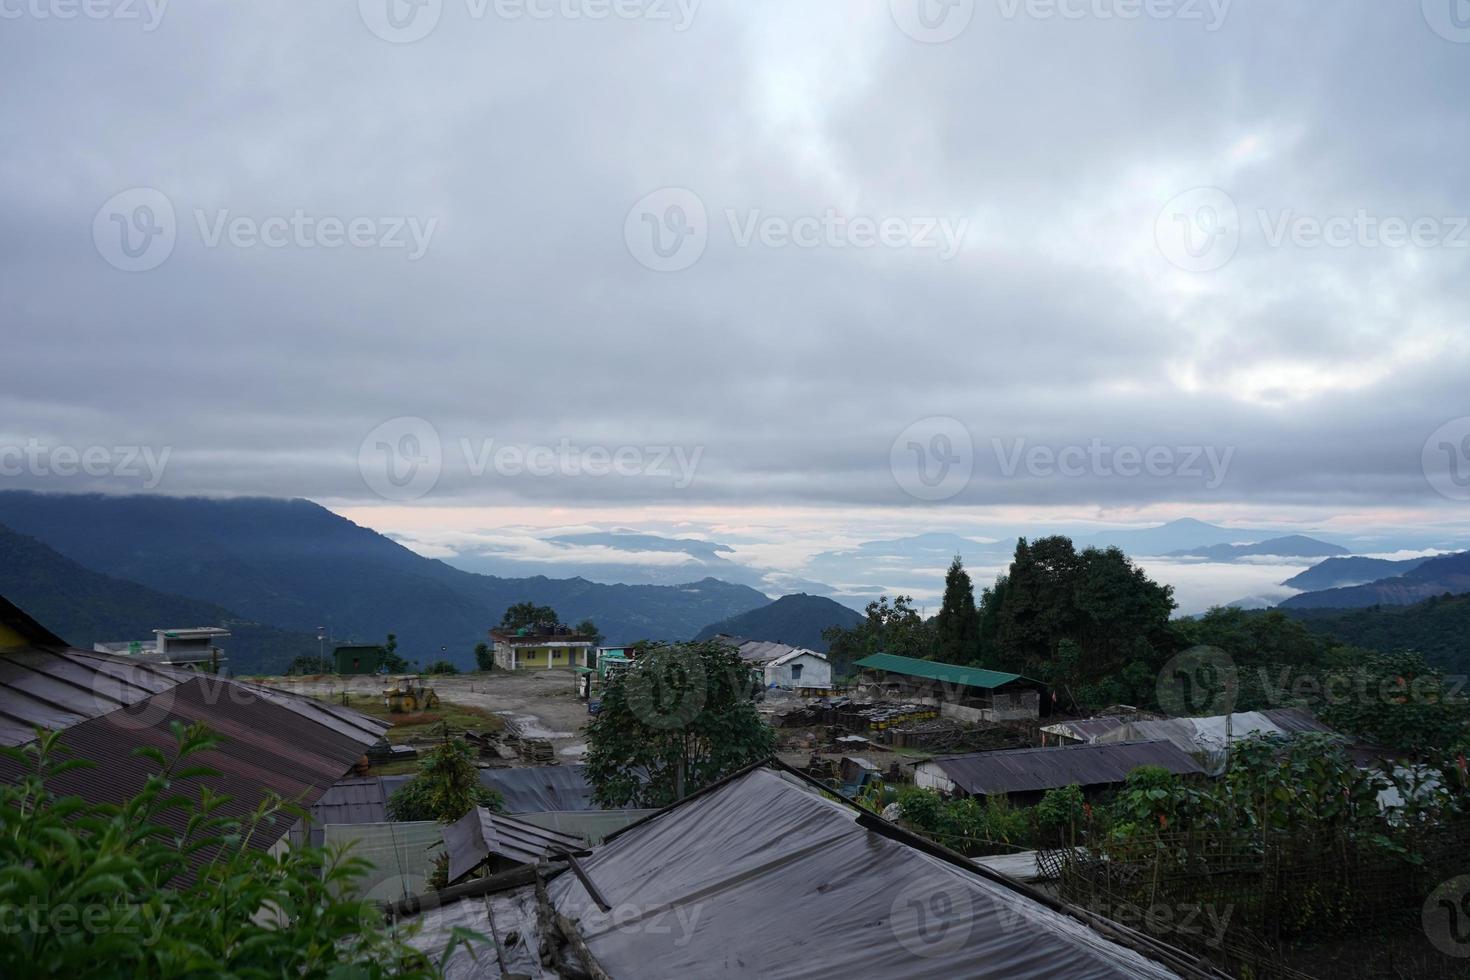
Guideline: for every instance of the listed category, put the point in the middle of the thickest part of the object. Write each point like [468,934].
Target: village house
[545,646]
[967,694]
[783,665]
[1024,775]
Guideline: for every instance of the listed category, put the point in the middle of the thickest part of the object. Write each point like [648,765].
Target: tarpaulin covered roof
[1208,737]
[932,670]
[763,876]
[481,834]
[1030,770]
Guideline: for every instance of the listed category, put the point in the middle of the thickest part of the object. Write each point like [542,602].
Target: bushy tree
[484,656]
[957,627]
[527,614]
[101,890]
[441,667]
[1079,620]
[896,628]
[306,665]
[588,628]
[446,788]
[388,658]
[678,718]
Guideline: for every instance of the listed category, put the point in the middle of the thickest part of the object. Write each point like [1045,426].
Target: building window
[796,672]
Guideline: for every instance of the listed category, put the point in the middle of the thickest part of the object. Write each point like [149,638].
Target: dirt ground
[542,702]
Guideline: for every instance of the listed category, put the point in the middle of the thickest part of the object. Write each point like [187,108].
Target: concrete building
[193,648]
[543,647]
[781,664]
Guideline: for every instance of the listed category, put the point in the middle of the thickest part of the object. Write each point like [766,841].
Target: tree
[310,664]
[957,627]
[527,614]
[675,720]
[484,656]
[121,879]
[588,628]
[1091,624]
[441,667]
[445,789]
[388,658]
[896,628]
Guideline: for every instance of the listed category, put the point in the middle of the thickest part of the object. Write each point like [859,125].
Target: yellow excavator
[409,694]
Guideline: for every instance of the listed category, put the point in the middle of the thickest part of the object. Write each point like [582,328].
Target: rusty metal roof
[481,834]
[57,687]
[268,744]
[1032,770]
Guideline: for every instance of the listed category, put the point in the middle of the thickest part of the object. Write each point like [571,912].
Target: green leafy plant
[446,788]
[102,890]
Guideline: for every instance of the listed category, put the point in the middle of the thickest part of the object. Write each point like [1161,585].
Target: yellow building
[543,648]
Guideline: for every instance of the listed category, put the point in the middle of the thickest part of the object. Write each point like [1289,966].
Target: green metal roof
[933,670]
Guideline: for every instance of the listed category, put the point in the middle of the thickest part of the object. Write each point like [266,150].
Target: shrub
[94,890]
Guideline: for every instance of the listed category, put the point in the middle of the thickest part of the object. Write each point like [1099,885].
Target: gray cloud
[793,370]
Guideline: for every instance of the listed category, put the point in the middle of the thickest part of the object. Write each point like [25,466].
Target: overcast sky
[744,260]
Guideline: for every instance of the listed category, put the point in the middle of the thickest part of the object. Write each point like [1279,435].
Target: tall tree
[675,720]
[957,627]
[527,614]
[1091,624]
[896,628]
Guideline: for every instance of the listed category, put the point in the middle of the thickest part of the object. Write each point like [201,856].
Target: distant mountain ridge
[1290,546]
[1430,578]
[296,565]
[1336,573]
[797,620]
[85,607]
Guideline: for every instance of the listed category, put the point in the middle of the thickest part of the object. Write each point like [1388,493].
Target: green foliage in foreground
[93,890]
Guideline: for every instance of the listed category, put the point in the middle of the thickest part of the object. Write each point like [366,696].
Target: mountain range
[1431,577]
[1335,573]
[1290,546]
[295,565]
[797,620]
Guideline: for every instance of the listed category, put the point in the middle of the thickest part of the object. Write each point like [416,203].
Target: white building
[799,667]
[190,647]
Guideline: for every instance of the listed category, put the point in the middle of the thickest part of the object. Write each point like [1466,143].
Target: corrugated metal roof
[931,670]
[481,834]
[268,745]
[56,688]
[1031,770]
[358,800]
